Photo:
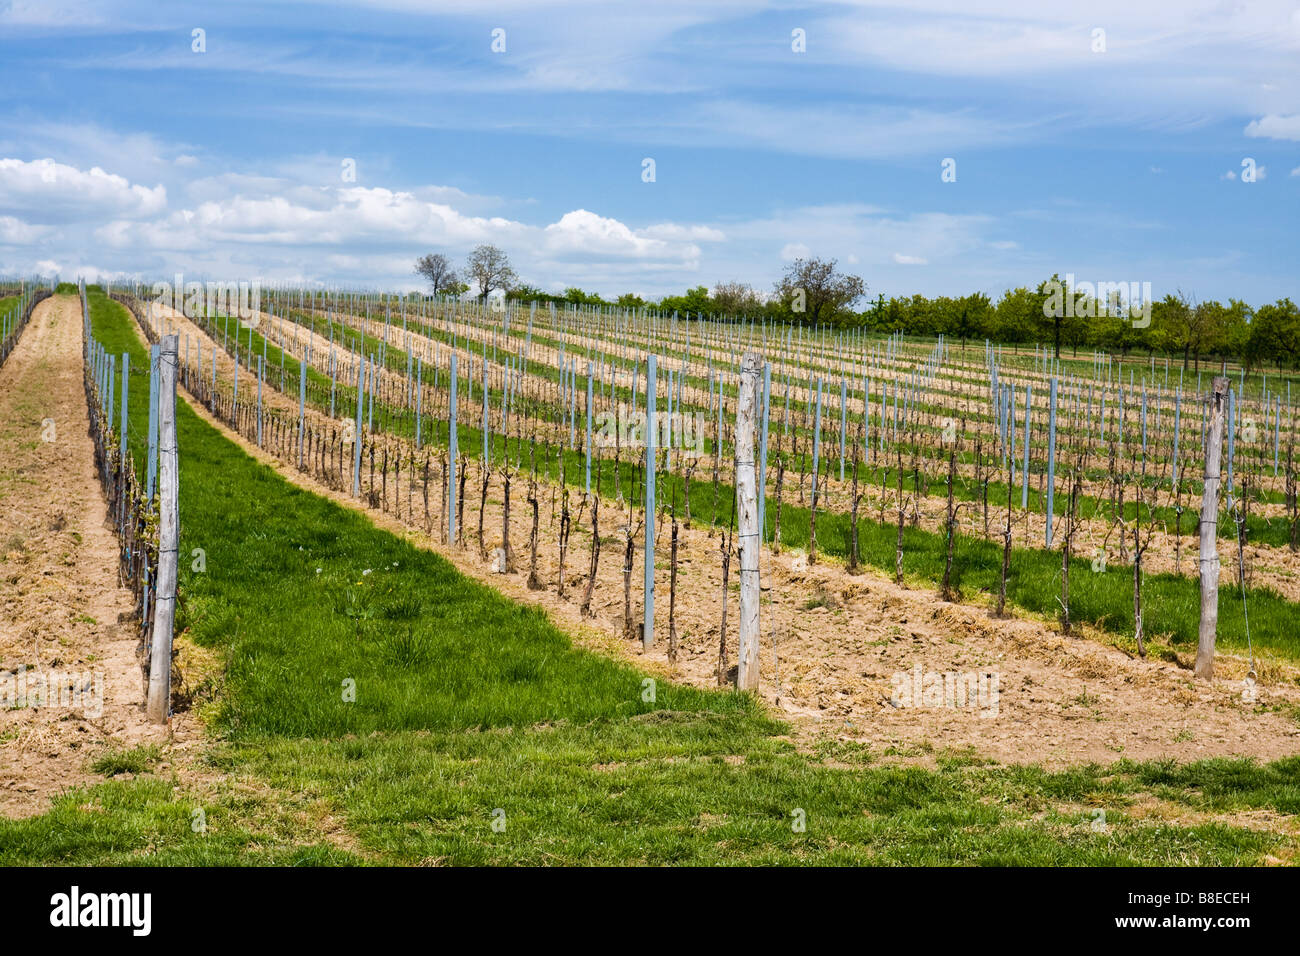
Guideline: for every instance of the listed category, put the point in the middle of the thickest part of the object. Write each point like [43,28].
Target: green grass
[135,760]
[471,711]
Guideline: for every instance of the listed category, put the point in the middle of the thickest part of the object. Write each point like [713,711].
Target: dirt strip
[70,682]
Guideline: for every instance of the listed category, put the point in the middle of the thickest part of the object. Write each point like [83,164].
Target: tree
[1187,325]
[579,297]
[437,269]
[812,290]
[1275,333]
[734,298]
[695,300]
[1020,316]
[490,268]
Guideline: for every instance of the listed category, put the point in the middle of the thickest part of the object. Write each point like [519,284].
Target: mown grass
[479,735]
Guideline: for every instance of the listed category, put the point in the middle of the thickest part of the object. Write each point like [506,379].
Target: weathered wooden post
[122,436]
[1051,460]
[356,434]
[302,407]
[261,371]
[151,467]
[762,449]
[1210,532]
[651,427]
[419,403]
[160,662]
[487,425]
[747,522]
[589,397]
[453,449]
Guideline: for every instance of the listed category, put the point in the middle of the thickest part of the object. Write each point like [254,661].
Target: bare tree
[490,268]
[437,269]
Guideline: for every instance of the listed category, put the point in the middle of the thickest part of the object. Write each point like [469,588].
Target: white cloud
[52,13]
[1296,171]
[276,228]
[672,230]
[795,250]
[138,157]
[15,232]
[584,233]
[1274,126]
[47,188]
[903,260]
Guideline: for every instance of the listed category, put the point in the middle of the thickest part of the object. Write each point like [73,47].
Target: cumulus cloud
[586,234]
[1274,126]
[15,232]
[903,260]
[53,190]
[281,228]
[672,230]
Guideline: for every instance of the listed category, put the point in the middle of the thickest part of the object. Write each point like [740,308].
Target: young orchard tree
[489,267]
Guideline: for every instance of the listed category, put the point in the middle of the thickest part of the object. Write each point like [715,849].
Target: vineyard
[438,439]
[922,556]
[987,473]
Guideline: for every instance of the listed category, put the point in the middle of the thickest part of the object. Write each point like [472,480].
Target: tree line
[815,292]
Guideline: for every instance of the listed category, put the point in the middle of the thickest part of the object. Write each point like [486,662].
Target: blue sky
[123,152]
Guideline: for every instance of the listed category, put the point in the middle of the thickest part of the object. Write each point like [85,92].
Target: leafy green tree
[1275,334]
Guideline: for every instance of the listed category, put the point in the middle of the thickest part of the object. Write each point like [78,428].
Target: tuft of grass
[136,760]
[821,597]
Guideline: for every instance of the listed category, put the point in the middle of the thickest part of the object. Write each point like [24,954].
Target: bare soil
[61,609]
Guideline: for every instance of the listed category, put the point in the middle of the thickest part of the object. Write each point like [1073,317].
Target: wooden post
[589,397]
[1209,533]
[1051,460]
[160,662]
[302,407]
[151,467]
[747,521]
[453,450]
[356,435]
[261,371]
[122,436]
[651,427]
[762,451]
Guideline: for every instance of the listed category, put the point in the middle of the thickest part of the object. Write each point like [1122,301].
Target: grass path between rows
[480,735]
